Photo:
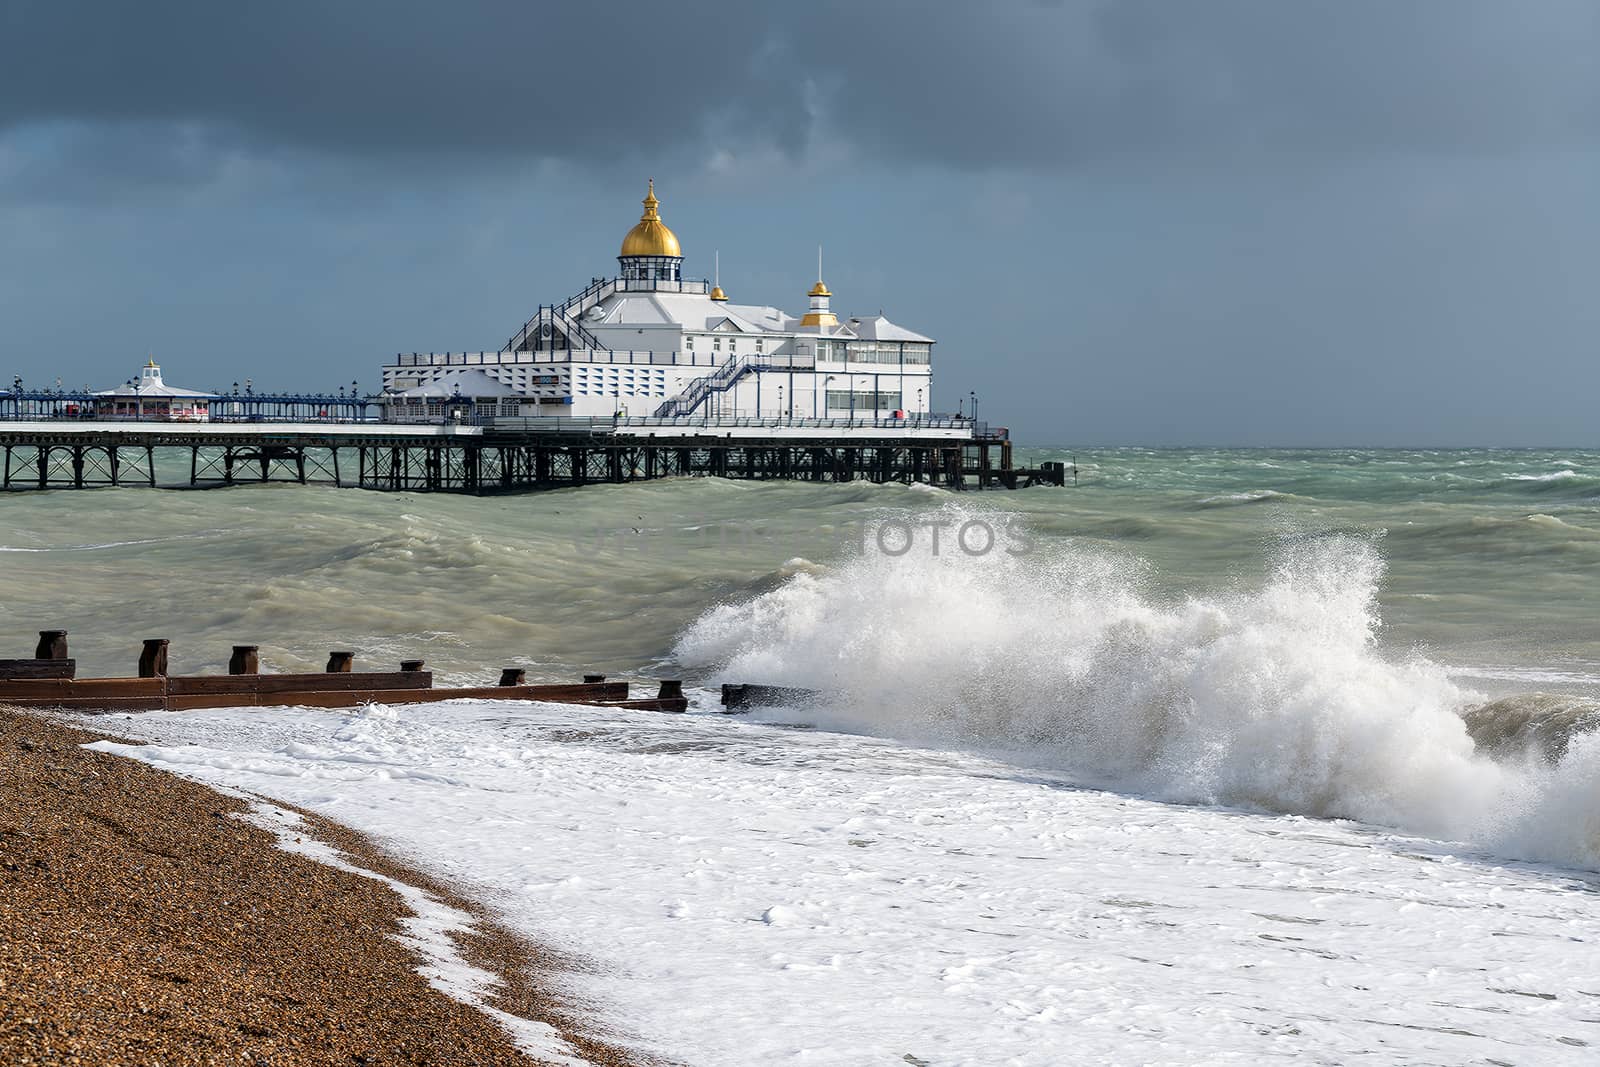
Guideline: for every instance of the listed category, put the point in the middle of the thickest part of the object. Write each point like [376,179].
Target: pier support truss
[497,462]
[262,462]
[77,466]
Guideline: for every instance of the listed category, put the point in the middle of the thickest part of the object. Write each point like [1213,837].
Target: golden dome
[819,289]
[718,294]
[650,237]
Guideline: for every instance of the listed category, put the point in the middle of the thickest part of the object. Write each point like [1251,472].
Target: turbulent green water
[1491,558]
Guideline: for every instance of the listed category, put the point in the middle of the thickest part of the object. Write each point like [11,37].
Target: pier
[506,455]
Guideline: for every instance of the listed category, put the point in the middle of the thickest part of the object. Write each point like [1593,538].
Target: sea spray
[1275,696]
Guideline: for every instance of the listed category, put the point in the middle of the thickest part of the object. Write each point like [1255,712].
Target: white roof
[694,311]
[878,328]
[150,385]
[471,384]
[158,389]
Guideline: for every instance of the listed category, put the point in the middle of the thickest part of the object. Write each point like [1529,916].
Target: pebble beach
[145,920]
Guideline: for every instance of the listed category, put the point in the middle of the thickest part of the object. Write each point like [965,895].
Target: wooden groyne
[49,680]
[740,697]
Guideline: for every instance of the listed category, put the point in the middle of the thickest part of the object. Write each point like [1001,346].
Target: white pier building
[648,342]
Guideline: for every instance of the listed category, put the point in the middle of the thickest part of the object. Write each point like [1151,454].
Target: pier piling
[341,662]
[513,676]
[246,659]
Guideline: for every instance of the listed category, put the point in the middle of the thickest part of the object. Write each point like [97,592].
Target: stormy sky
[1221,222]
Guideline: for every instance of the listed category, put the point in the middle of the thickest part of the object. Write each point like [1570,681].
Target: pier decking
[510,455]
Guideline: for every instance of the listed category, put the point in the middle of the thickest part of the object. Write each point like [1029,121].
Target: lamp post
[780,401]
[829,380]
[974,395]
[919,404]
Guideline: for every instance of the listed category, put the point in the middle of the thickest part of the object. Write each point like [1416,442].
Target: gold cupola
[650,236]
[820,314]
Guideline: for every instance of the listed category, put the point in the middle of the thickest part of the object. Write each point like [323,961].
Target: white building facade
[650,343]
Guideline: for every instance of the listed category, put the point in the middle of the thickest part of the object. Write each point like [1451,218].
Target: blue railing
[65,405]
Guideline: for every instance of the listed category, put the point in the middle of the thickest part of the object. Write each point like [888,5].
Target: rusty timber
[511,455]
[49,680]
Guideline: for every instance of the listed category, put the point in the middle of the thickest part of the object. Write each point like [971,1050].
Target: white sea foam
[1553,476]
[1253,496]
[755,895]
[1278,697]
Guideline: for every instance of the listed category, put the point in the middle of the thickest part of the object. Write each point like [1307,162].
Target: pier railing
[567,423]
[78,406]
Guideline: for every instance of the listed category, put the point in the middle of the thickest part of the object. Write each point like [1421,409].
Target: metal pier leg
[337,484]
[194,464]
[44,467]
[7,483]
[150,463]
[115,460]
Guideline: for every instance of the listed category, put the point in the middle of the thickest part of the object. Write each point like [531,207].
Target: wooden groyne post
[52,645]
[153,659]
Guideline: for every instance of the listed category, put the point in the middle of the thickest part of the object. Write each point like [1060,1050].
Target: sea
[1210,756]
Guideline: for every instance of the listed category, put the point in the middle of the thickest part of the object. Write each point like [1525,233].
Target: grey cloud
[968,85]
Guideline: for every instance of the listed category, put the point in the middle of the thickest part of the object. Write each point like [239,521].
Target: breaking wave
[1276,697]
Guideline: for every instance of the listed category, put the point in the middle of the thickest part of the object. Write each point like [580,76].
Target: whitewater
[1224,757]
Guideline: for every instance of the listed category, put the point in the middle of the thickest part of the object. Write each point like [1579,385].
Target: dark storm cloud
[965,84]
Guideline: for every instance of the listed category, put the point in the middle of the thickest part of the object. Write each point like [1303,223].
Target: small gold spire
[716,278]
[819,289]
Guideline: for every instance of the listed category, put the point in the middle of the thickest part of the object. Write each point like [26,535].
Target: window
[865,400]
[758,344]
[688,343]
[716,344]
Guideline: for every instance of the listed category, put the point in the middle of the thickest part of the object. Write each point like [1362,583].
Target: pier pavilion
[148,396]
[650,342]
